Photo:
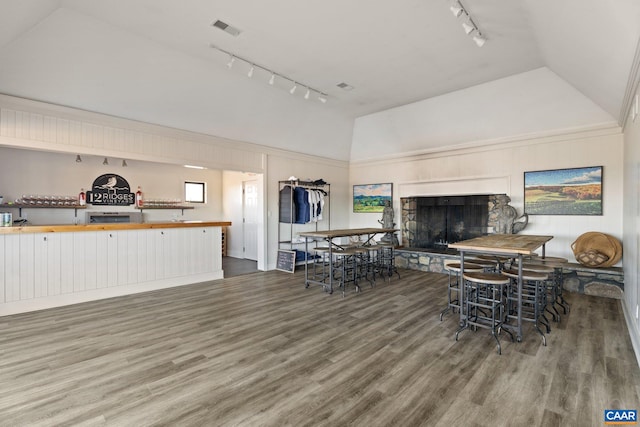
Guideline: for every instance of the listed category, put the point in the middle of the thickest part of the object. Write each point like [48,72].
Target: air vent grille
[226,28]
[345,86]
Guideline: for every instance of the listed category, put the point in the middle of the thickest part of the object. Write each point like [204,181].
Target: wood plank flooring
[261,350]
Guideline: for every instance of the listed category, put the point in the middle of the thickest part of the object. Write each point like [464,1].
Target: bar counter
[45,266]
[62,228]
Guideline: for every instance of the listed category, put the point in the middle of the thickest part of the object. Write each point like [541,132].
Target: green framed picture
[371,198]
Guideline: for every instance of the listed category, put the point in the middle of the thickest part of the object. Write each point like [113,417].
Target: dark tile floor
[238,266]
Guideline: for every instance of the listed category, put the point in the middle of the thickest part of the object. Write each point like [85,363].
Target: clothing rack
[287,225]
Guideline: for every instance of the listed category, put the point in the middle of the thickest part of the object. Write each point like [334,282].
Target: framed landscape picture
[371,197]
[576,191]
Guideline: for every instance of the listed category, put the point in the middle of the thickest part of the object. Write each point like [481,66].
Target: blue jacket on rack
[302,206]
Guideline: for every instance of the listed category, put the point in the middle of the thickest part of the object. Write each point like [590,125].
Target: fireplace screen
[434,222]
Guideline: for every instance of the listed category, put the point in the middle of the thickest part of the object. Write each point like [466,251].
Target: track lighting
[78,158]
[469,26]
[456,9]
[253,67]
[468,29]
[105,161]
[479,39]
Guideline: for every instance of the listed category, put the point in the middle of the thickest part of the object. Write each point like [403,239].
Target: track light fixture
[105,161]
[124,163]
[469,26]
[253,67]
[78,158]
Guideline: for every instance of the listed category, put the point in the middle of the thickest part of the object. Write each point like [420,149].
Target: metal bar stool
[453,268]
[558,264]
[386,260]
[321,263]
[484,300]
[534,296]
[345,268]
[551,287]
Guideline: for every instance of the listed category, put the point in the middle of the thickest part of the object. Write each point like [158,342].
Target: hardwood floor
[260,349]
[237,266]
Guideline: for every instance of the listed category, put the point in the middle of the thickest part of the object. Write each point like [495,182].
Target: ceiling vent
[345,86]
[227,28]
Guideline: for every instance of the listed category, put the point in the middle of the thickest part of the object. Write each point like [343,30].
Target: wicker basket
[594,242]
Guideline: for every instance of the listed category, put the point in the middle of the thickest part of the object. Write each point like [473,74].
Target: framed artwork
[576,191]
[371,197]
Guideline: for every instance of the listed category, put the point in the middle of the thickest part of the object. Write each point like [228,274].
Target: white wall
[43,173]
[631,241]
[281,167]
[523,105]
[500,169]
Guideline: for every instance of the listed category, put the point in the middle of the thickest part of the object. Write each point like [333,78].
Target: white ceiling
[151,60]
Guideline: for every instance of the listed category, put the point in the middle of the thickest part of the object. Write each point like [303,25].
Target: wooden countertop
[66,228]
[503,243]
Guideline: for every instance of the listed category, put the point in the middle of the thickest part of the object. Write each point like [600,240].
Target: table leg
[306,264]
[519,302]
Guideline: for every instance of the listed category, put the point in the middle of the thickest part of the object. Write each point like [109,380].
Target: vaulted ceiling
[152,60]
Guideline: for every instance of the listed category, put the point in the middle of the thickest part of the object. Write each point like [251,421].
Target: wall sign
[110,189]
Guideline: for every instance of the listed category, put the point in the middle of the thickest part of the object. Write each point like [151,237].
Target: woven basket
[594,241]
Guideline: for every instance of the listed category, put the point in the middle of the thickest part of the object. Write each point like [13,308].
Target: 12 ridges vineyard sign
[110,189]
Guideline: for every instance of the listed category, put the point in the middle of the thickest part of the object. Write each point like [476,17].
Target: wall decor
[371,197]
[575,191]
[110,189]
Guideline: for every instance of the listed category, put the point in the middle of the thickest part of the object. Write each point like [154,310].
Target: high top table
[512,245]
[328,236]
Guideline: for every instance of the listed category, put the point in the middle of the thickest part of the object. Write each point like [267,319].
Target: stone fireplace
[433,222]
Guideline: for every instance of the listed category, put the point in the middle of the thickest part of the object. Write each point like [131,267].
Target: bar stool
[453,268]
[487,265]
[386,259]
[484,303]
[558,264]
[321,263]
[373,266]
[551,286]
[363,264]
[498,261]
[345,268]
[534,297]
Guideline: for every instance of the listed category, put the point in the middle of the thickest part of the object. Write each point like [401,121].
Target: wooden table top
[503,243]
[330,234]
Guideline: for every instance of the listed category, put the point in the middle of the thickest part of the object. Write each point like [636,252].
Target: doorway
[250,216]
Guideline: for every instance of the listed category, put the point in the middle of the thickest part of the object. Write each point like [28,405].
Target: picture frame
[572,191]
[371,198]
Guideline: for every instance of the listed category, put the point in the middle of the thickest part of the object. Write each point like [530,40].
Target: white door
[250,219]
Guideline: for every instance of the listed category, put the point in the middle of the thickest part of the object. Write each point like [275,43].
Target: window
[194,192]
